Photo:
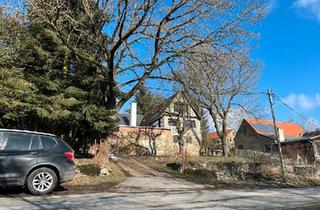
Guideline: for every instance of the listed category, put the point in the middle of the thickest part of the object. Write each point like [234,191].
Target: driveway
[149,189]
[170,193]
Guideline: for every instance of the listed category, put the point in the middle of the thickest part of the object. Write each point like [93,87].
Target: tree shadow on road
[11,191]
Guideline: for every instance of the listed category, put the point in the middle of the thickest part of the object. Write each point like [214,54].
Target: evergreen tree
[45,87]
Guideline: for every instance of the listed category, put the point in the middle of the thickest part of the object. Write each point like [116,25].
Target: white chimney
[281,134]
[133,114]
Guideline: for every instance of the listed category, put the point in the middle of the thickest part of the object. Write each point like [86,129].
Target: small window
[241,146]
[48,142]
[155,124]
[267,147]
[178,107]
[190,123]
[18,142]
[175,139]
[189,140]
[172,122]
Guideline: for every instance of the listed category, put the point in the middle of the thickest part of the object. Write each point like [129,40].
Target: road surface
[169,193]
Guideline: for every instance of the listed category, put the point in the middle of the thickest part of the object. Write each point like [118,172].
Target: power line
[296,112]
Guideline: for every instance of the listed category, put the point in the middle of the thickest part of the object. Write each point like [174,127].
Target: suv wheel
[42,181]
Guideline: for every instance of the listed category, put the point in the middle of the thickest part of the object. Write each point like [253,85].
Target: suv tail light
[69,155]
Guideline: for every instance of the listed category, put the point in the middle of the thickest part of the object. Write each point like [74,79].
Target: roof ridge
[264,120]
[290,129]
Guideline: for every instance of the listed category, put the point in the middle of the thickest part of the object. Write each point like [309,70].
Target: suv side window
[48,142]
[2,140]
[18,142]
[35,144]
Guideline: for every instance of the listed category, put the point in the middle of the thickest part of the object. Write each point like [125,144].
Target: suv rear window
[48,142]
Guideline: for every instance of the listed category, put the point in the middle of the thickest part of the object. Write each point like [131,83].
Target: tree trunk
[225,146]
[183,160]
[102,156]
[181,153]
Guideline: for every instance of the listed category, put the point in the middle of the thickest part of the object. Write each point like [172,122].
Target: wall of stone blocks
[138,141]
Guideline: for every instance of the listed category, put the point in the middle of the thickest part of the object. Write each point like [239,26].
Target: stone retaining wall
[146,141]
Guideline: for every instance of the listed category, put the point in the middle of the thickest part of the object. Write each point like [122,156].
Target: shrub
[174,166]
[90,169]
[201,174]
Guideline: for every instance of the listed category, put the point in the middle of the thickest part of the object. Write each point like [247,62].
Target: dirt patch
[81,181]
[141,169]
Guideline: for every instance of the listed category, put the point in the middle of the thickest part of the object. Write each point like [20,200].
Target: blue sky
[289,48]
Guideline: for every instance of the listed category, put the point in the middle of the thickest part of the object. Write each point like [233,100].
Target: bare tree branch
[121,36]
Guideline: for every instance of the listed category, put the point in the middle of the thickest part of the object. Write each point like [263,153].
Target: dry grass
[132,163]
[116,176]
[200,176]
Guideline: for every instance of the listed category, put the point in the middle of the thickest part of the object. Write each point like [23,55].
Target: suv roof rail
[26,131]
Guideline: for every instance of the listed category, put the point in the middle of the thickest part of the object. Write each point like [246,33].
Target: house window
[267,147]
[241,146]
[172,122]
[190,123]
[155,124]
[188,140]
[175,139]
[178,107]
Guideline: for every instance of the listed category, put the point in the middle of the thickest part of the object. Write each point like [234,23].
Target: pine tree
[45,87]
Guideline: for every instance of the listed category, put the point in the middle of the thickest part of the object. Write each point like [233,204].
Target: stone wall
[147,140]
[302,152]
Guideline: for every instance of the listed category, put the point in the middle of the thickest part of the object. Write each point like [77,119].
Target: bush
[174,166]
[201,174]
[90,169]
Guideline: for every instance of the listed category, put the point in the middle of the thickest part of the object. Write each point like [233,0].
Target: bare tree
[220,82]
[152,135]
[132,41]
[180,119]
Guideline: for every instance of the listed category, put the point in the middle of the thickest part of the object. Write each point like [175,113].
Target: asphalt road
[169,193]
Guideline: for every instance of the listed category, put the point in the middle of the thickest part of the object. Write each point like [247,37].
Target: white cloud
[303,101]
[308,7]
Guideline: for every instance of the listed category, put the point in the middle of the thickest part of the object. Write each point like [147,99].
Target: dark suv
[36,160]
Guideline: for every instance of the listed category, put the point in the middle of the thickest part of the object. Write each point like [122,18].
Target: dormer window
[190,123]
[179,107]
[172,122]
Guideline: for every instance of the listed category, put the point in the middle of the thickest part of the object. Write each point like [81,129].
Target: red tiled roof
[289,129]
[214,135]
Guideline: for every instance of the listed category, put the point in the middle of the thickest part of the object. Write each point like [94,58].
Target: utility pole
[271,95]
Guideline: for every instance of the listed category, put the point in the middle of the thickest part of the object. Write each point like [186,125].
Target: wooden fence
[251,153]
